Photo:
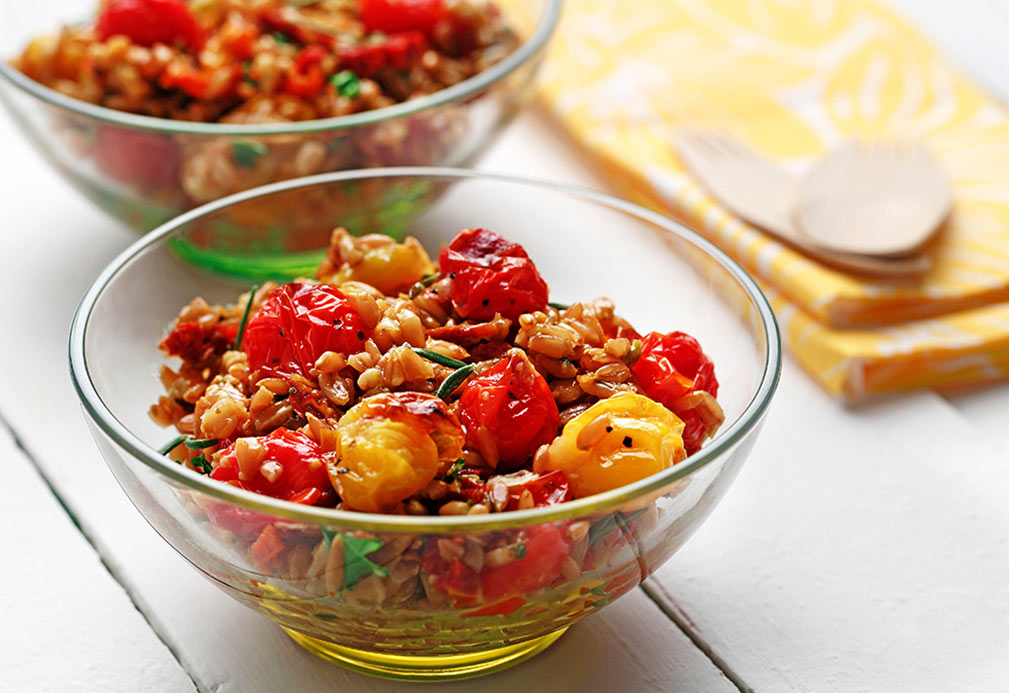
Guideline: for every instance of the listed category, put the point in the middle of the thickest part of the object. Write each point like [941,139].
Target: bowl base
[446,667]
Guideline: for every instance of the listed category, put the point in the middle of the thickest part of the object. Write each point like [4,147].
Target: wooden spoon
[885,200]
[762,193]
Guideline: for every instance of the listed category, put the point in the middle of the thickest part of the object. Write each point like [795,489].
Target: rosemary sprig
[453,470]
[425,282]
[439,358]
[245,317]
[173,443]
[200,443]
[453,381]
[558,306]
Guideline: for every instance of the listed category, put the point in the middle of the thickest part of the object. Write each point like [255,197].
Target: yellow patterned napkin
[794,79]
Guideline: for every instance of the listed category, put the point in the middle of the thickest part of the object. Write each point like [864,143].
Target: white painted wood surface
[858,550]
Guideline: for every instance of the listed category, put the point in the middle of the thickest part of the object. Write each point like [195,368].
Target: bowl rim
[103,417]
[531,47]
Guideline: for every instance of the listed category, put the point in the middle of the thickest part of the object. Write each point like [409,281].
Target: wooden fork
[764,194]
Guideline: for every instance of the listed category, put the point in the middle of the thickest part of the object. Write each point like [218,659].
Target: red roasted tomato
[297,324]
[389,16]
[399,51]
[672,365]
[190,341]
[139,158]
[299,467]
[147,22]
[491,275]
[508,412]
[547,489]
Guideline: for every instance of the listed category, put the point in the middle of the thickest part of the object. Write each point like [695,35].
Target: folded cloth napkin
[794,79]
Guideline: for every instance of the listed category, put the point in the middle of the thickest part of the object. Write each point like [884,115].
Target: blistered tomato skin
[291,467]
[615,442]
[147,22]
[393,445]
[671,366]
[389,16]
[296,324]
[508,412]
[491,275]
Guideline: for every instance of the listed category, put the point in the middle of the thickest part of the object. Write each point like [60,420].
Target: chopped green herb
[347,83]
[201,443]
[439,358]
[245,154]
[172,444]
[424,283]
[325,617]
[327,535]
[520,550]
[201,463]
[453,381]
[245,317]
[356,565]
[247,74]
[281,37]
[558,306]
[453,470]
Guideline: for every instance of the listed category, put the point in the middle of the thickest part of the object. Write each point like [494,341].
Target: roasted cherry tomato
[147,22]
[388,16]
[491,275]
[287,465]
[536,561]
[671,366]
[297,324]
[399,51]
[190,341]
[508,412]
[307,79]
[137,158]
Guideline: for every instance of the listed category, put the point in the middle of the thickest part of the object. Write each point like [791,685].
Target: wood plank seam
[19,444]
[687,627]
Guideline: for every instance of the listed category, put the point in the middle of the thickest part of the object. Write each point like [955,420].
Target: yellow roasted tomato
[392,446]
[615,442]
[377,260]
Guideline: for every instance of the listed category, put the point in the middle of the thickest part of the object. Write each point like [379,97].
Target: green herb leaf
[558,306]
[347,83]
[356,565]
[281,38]
[440,358]
[201,463]
[453,470]
[453,381]
[172,444]
[327,535]
[245,153]
[245,317]
[201,443]
[425,282]
[247,74]
[520,550]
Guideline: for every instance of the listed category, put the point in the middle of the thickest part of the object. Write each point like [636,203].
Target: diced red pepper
[307,78]
[143,159]
[399,51]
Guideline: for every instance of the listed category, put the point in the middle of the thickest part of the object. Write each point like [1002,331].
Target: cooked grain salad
[267,61]
[388,385]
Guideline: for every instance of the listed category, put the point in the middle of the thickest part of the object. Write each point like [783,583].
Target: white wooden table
[858,550]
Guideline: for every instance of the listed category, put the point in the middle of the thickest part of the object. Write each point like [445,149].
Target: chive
[425,282]
[450,384]
[520,550]
[439,358]
[558,306]
[245,153]
[347,83]
[201,443]
[453,470]
[172,444]
[245,317]
[281,38]
[201,463]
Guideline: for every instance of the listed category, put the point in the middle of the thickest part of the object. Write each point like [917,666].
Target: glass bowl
[201,162]
[371,592]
